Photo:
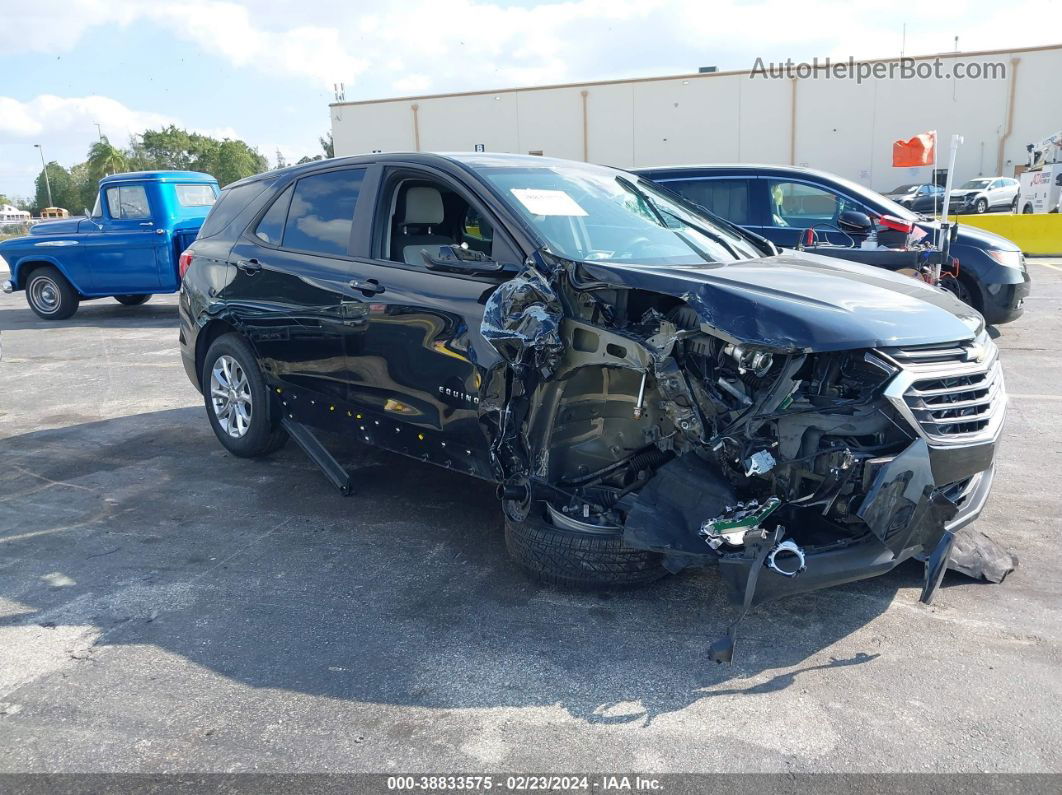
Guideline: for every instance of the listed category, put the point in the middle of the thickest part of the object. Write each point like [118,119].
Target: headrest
[424,205]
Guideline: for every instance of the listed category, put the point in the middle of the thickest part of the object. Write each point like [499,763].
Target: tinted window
[271,227]
[195,195]
[726,197]
[322,212]
[128,203]
[799,205]
[229,204]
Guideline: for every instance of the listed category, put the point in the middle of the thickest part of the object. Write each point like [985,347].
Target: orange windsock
[919,151]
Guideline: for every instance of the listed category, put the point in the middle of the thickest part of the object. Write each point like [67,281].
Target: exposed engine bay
[792,469]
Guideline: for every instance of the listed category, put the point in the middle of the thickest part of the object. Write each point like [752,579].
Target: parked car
[983,194]
[780,202]
[649,389]
[127,247]
[918,197]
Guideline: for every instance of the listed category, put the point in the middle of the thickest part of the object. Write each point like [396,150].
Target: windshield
[975,184]
[598,214]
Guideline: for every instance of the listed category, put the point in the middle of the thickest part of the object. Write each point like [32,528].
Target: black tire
[1027,209]
[132,300]
[981,206]
[1014,205]
[262,433]
[578,560]
[50,295]
[961,287]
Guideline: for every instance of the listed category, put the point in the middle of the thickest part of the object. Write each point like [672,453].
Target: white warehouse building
[828,122]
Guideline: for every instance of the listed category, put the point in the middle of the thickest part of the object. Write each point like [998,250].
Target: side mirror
[458,259]
[855,221]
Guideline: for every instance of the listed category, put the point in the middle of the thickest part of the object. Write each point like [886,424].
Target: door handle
[367,287]
[249,266]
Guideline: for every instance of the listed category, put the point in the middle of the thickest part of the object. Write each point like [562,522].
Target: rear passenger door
[292,270]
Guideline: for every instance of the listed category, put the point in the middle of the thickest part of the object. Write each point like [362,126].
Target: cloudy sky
[263,70]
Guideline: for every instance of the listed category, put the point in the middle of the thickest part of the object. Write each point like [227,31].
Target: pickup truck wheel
[132,300]
[50,295]
[238,402]
[577,559]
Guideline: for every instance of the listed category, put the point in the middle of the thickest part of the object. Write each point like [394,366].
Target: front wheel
[50,295]
[981,206]
[1027,209]
[132,300]
[237,400]
[578,559]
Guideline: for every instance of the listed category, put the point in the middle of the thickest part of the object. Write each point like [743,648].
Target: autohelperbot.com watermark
[902,69]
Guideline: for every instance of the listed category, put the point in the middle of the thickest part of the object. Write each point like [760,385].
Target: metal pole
[945,225]
[47,182]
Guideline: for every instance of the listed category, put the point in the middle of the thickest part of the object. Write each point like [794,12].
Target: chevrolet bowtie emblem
[975,353]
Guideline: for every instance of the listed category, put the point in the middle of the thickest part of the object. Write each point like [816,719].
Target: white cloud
[426,45]
[64,127]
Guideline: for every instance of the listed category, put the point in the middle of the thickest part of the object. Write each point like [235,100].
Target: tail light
[184,263]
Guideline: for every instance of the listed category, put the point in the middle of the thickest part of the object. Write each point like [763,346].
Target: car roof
[158,176]
[469,160]
[771,167]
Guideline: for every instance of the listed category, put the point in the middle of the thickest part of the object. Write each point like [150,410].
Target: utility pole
[47,182]
[99,129]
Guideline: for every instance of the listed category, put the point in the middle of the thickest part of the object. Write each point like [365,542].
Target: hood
[962,194]
[66,226]
[974,237]
[798,301]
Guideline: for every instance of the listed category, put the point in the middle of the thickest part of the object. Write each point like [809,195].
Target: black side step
[317,453]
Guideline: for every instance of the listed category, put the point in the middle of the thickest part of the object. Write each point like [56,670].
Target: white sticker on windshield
[547,202]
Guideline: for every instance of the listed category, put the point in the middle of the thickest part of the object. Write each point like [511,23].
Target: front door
[125,257]
[420,370]
[793,207]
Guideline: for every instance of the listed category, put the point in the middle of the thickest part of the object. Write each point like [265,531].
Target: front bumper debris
[908,516]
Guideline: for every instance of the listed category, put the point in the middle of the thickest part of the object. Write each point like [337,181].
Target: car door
[125,256]
[793,206]
[419,371]
[291,286]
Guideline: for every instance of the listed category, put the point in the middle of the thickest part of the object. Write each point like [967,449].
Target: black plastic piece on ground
[317,453]
[936,565]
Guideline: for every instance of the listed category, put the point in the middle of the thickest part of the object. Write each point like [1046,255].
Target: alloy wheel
[230,395]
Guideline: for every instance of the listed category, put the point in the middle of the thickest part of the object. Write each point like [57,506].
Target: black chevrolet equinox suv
[650,387]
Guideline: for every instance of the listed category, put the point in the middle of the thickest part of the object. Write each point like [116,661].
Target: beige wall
[840,126]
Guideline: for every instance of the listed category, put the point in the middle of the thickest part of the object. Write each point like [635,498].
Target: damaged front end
[635,411]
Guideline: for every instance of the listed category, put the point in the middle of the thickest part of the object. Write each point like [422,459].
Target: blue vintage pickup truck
[129,246]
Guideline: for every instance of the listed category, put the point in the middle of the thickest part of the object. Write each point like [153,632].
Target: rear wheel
[578,559]
[50,295]
[132,300]
[237,400]
[1027,209]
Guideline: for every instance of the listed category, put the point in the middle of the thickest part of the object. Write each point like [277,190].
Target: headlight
[1008,259]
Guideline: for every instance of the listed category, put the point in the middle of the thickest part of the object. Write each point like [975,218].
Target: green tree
[328,145]
[227,160]
[83,188]
[63,192]
[104,159]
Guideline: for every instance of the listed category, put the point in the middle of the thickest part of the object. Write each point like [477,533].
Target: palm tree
[104,159]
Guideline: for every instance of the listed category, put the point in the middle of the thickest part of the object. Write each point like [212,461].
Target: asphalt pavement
[167,607]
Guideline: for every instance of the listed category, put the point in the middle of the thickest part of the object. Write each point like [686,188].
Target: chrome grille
[953,392]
